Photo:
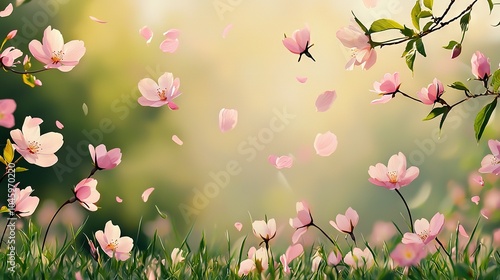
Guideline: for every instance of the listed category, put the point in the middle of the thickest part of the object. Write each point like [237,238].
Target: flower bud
[457,49]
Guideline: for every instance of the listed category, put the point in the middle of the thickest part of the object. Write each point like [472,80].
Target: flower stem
[26,72]
[324,233]
[444,249]
[69,201]
[407,209]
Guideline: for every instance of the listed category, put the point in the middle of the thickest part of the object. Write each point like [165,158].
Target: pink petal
[475,199]
[7,11]
[301,79]
[118,199]
[171,34]
[176,140]
[294,251]
[169,45]
[325,100]
[59,125]
[228,118]
[485,213]
[146,33]
[226,30]
[97,20]
[461,231]
[238,226]
[146,193]
[325,144]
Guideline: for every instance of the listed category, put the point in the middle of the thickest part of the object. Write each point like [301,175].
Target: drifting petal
[169,45]
[228,118]
[238,226]
[7,11]
[475,199]
[177,140]
[118,199]
[325,144]
[301,79]
[325,100]
[226,30]
[146,33]
[97,20]
[146,193]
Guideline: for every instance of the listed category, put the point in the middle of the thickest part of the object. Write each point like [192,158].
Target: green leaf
[428,25]
[361,25]
[425,14]
[482,118]
[408,32]
[490,4]
[162,215]
[428,4]
[464,22]
[414,14]
[409,47]
[437,112]
[459,86]
[445,114]
[420,46]
[410,59]
[8,152]
[495,80]
[385,24]
[20,169]
[450,45]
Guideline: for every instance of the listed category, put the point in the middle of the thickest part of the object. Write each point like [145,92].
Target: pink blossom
[358,258]
[7,11]
[146,33]
[171,42]
[176,256]
[480,66]
[11,35]
[387,87]
[280,162]
[299,43]
[302,221]
[86,193]
[334,258]
[395,175]
[25,203]
[425,232]
[346,223]
[257,260]
[228,118]
[266,231]
[382,232]
[113,244]
[238,226]
[456,51]
[354,38]
[145,195]
[9,55]
[103,159]
[35,148]
[7,108]
[163,93]
[292,252]
[325,100]
[491,162]
[408,254]
[475,199]
[432,93]
[325,144]
[54,53]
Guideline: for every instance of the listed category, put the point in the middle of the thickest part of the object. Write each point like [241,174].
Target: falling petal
[280,162]
[226,30]
[85,109]
[325,144]
[325,100]
[7,11]
[238,226]
[146,193]
[462,231]
[228,118]
[59,125]
[97,20]
[484,213]
[475,199]
[169,46]
[118,199]
[146,33]
[176,140]
[301,79]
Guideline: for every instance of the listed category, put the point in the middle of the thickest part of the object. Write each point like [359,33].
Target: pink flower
[35,148]
[176,256]
[480,66]
[358,258]
[292,252]
[257,260]
[302,221]
[11,34]
[9,55]
[325,144]
[228,118]
[387,87]
[408,254]
[171,43]
[7,108]
[325,100]
[491,162]
[163,93]
[25,203]
[280,162]
[346,223]
[54,53]
[266,231]
[456,51]
[103,159]
[86,193]
[334,258]
[425,232]
[299,42]
[7,11]
[112,244]
[354,38]
[395,175]
[432,93]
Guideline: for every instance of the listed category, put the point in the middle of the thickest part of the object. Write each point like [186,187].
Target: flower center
[162,94]
[495,160]
[112,245]
[57,56]
[423,235]
[34,147]
[393,176]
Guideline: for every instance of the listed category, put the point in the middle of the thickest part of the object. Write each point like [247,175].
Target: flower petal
[325,100]
[146,193]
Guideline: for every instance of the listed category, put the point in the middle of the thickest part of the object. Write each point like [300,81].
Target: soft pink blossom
[54,53]
[491,162]
[177,140]
[408,254]
[163,93]
[387,87]
[9,55]
[475,199]
[7,11]
[432,93]
[292,252]
[145,195]
[302,221]
[113,244]
[480,66]
[382,232]
[146,33]
[325,100]
[325,144]
[456,51]
[228,118]
[86,193]
[97,20]
[104,159]
[266,231]
[25,203]
[35,148]
[171,41]
[257,260]
[7,108]
[280,162]
[425,232]
[358,258]
[394,175]
[354,38]
[299,43]
[238,226]
[11,34]
[226,30]
[346,223]
[176,256]
[334,258]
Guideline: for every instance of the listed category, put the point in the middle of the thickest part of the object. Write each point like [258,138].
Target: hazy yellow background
[253,72]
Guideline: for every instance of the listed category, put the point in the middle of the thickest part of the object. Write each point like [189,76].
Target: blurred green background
[250,70]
